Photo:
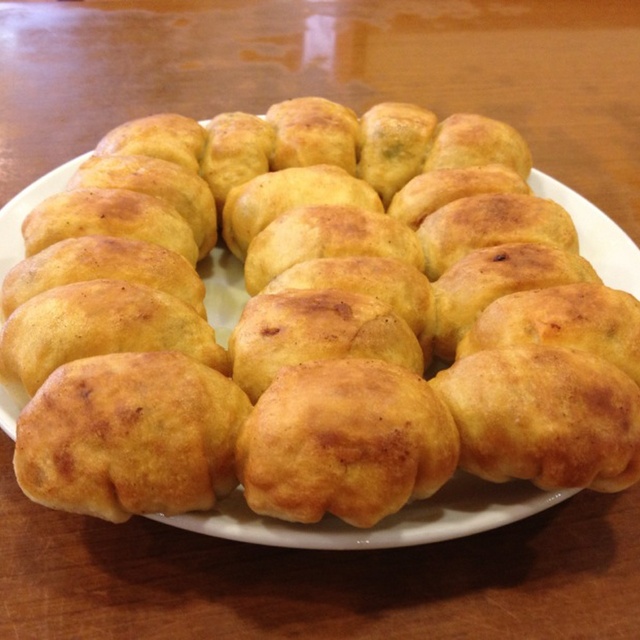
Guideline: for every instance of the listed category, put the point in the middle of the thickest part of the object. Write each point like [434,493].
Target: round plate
[466,505]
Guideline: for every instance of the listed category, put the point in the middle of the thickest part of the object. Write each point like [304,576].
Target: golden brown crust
[558,417]
[327,231]
[252,206]
[472,140]
[108,212]
[395,139]
[168,136]
[312,130]
[381,440]
[491,219]
[130,433]
[239,147]
[587,316]
[186,191]
[94,257]
[83,319]
[484,275]
[299,325]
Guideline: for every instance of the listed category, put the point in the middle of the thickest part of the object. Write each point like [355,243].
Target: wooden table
[566,74]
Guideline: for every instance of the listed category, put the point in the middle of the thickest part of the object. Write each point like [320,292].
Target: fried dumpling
[559,417]
[168,136]
[107,212]
[327,231]
[395,139]
[299,325]
[488,220]
[252,206]
[186,191]
[130,433]
[383,439]
[585,315]
[97,257]
[90,318]
[427,192]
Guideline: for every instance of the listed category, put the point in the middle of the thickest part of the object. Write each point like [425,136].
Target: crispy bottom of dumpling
[559,417]
[354,438]
[131,433]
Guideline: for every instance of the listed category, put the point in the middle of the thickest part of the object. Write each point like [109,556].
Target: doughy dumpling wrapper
[168,136]
[354,438]
[312,130]
[427,192]
[327,231]
[472,140]
[300,325]
[96,257]
[131,433]
[492,219]
[108,212]
[186,191]
[96,317]
[395,139]
[559,417]
[587,316]
[484,275]
[252,206]
[238,149]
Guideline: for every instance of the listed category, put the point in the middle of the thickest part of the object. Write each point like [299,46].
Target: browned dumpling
[186,191]
[95,257]
[400,285]
[253,205]
[130,433]
[491,219]
[484,275]
[90,318]
[168,136]
[395,139]
[427,192]
[471,140]
[556,416]
[108,212]
[585,315]
[312,130]
[327,231]
[299,325]
[239,147]
[354,438]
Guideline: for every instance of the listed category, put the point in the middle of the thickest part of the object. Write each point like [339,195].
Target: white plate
[464,506]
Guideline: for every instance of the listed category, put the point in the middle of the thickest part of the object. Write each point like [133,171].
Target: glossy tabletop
[565,74]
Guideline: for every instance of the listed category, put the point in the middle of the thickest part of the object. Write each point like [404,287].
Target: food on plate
[395,138]
[382,440]
[311,131]
[556,416]
[484,275]
[107,212]
[327,231]
[488,220]
[186,191]
[130,433]
[168,136]
[239,147]
[585,315]
[400,285]
[251,206]
[472,140]
[427,192]
[83,319]
[97,257]
[300,325]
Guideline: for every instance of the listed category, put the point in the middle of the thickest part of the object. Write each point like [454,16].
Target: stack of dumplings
[414,310]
